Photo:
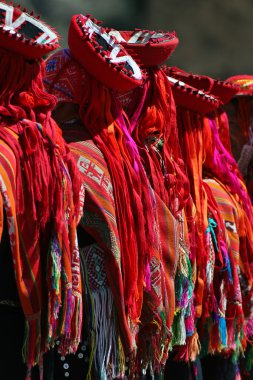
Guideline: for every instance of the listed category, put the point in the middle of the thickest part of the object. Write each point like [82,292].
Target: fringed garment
[52,300]
[40,194]
[99,221]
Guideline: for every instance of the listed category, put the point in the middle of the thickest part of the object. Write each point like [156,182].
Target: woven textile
[107,126]
[106,358]
[158,308]
[229,214]
[239,231]
[99,218]
[32,257]
[66,88]
[152,123]
[239,293]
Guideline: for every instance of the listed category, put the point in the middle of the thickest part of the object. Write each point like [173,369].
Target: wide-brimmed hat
[245,83]
[190,97]
[149,48]
[223,90]
[101,55]
[24,34]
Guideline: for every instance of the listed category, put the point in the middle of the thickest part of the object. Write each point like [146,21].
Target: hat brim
[222,90]
[191,98]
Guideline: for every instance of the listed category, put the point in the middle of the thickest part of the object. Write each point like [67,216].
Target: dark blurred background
[216,36]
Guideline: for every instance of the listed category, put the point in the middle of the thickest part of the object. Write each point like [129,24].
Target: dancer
[40,287]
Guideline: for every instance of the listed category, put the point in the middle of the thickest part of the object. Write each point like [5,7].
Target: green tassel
[178,329]
[248,358]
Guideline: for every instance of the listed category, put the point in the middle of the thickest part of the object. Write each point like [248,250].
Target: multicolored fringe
[183,325]
[107,359]
[28,271]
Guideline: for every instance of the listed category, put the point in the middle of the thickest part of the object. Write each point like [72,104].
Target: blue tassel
[227,266]
[211,226]
[223,331]
[229,271]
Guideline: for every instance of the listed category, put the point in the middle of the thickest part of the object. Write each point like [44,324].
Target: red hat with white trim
[24,34]
[101,55]
[190,97]
[223,90]
[149,48]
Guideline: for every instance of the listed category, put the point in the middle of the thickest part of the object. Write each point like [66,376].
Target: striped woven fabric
[27,277]
[8,171]
[230,214]
[35,251]
[100,222]
[99,219]
[239,228]
[159,294]
[239,231]
[7,201]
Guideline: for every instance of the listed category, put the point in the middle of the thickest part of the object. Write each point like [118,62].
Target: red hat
[101,55]
[223,90]
[24,34]
[150,48]
[190,97]
[201,82]
[245,83]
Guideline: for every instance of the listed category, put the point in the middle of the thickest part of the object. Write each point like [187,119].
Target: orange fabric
[1,217]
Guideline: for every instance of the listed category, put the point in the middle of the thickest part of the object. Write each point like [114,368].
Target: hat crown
[142,37]
[150,48]
[108,43]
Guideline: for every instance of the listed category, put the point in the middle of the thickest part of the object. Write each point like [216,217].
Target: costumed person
[225,181]
[107,75]
[240,111]
[116,229]
[240,115]
[221,174]
[152,123]
[192,104]
[40,282]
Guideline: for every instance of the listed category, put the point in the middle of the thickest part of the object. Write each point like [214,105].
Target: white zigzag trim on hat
[116,48]
[47,36]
